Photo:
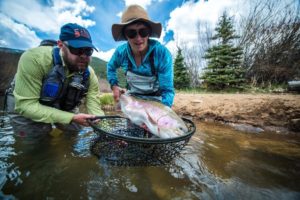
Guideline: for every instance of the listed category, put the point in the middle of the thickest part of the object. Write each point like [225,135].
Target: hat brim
[81,44]
[116,29]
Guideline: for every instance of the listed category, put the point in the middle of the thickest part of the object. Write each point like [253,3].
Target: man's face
[76,59]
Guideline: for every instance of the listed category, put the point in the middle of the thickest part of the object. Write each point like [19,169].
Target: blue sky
[24,23]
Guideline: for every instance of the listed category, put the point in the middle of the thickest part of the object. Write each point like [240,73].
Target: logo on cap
[81,33]
[76,36]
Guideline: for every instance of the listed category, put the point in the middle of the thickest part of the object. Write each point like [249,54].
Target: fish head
[169,127]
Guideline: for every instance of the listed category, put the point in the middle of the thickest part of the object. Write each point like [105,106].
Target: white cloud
[73,12]
[3,43]
[104,55]
[172,46]
[48,19]
[23,18]
[183,19]
[143,3]
[15,31]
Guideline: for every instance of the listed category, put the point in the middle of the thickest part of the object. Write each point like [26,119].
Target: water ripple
[8,172]
[82,143]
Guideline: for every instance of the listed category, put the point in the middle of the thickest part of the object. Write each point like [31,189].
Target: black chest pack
[61,92]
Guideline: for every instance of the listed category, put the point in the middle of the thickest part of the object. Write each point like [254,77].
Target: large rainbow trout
[159,119]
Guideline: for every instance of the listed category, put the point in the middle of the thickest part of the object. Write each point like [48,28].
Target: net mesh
[122,143]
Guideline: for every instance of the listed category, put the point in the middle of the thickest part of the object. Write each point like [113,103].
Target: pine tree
[224,60]
[181,75]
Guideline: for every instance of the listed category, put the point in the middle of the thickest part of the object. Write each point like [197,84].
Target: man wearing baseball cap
[76,36]
[51,82]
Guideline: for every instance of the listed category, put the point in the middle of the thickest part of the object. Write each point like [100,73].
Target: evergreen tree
[224,60]
[181,75]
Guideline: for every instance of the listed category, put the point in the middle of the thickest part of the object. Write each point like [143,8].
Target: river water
[217,163]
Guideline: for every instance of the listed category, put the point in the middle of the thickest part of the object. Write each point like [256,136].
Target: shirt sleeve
[165,75]
[28,88]
[92,99]
[112,67]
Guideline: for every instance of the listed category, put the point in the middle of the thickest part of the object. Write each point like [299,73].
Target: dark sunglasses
[79,51]
[132,33]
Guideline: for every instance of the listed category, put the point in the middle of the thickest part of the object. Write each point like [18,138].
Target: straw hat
[131,14]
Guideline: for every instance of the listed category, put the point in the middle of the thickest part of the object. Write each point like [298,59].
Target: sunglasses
[79,51]
[132,33]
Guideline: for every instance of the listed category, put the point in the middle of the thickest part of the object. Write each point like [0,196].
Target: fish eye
[182,129]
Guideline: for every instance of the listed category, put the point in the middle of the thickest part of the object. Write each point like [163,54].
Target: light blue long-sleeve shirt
[162,62]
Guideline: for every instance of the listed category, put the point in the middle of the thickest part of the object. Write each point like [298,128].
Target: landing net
[122,143]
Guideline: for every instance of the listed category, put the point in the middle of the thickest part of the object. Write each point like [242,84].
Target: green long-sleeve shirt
[33,65]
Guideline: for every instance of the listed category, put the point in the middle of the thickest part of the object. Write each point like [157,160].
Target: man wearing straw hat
[147,64]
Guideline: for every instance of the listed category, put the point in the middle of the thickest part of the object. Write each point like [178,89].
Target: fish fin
[150,118]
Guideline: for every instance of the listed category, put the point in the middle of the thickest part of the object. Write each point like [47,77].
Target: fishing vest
[143,86]
[61,92]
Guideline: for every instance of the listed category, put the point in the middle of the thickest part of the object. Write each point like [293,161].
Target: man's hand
[82,119]
[117,91]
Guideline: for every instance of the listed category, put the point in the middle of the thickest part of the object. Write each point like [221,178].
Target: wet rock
[265,115]
[276,129]
[272,110]
[278,123]
[294,125]
[197,101]
[246,128]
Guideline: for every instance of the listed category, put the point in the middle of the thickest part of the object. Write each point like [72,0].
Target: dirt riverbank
[277,112]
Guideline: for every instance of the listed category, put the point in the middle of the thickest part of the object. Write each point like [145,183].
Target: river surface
[217,163]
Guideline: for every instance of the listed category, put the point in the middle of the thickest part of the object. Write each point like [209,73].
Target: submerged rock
[294,125]
[246,128]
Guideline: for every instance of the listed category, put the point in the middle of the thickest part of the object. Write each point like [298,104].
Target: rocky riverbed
[274,112]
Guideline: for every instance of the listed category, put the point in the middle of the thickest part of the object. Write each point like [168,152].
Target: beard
[76,63]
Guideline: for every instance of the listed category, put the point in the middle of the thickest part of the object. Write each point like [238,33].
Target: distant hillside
[8,63]
[9,50]
[100,68]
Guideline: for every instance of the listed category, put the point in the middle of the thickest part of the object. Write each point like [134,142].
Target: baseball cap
[76,36]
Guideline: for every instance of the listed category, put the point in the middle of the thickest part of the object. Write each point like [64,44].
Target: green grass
[106,99]
[279,88]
